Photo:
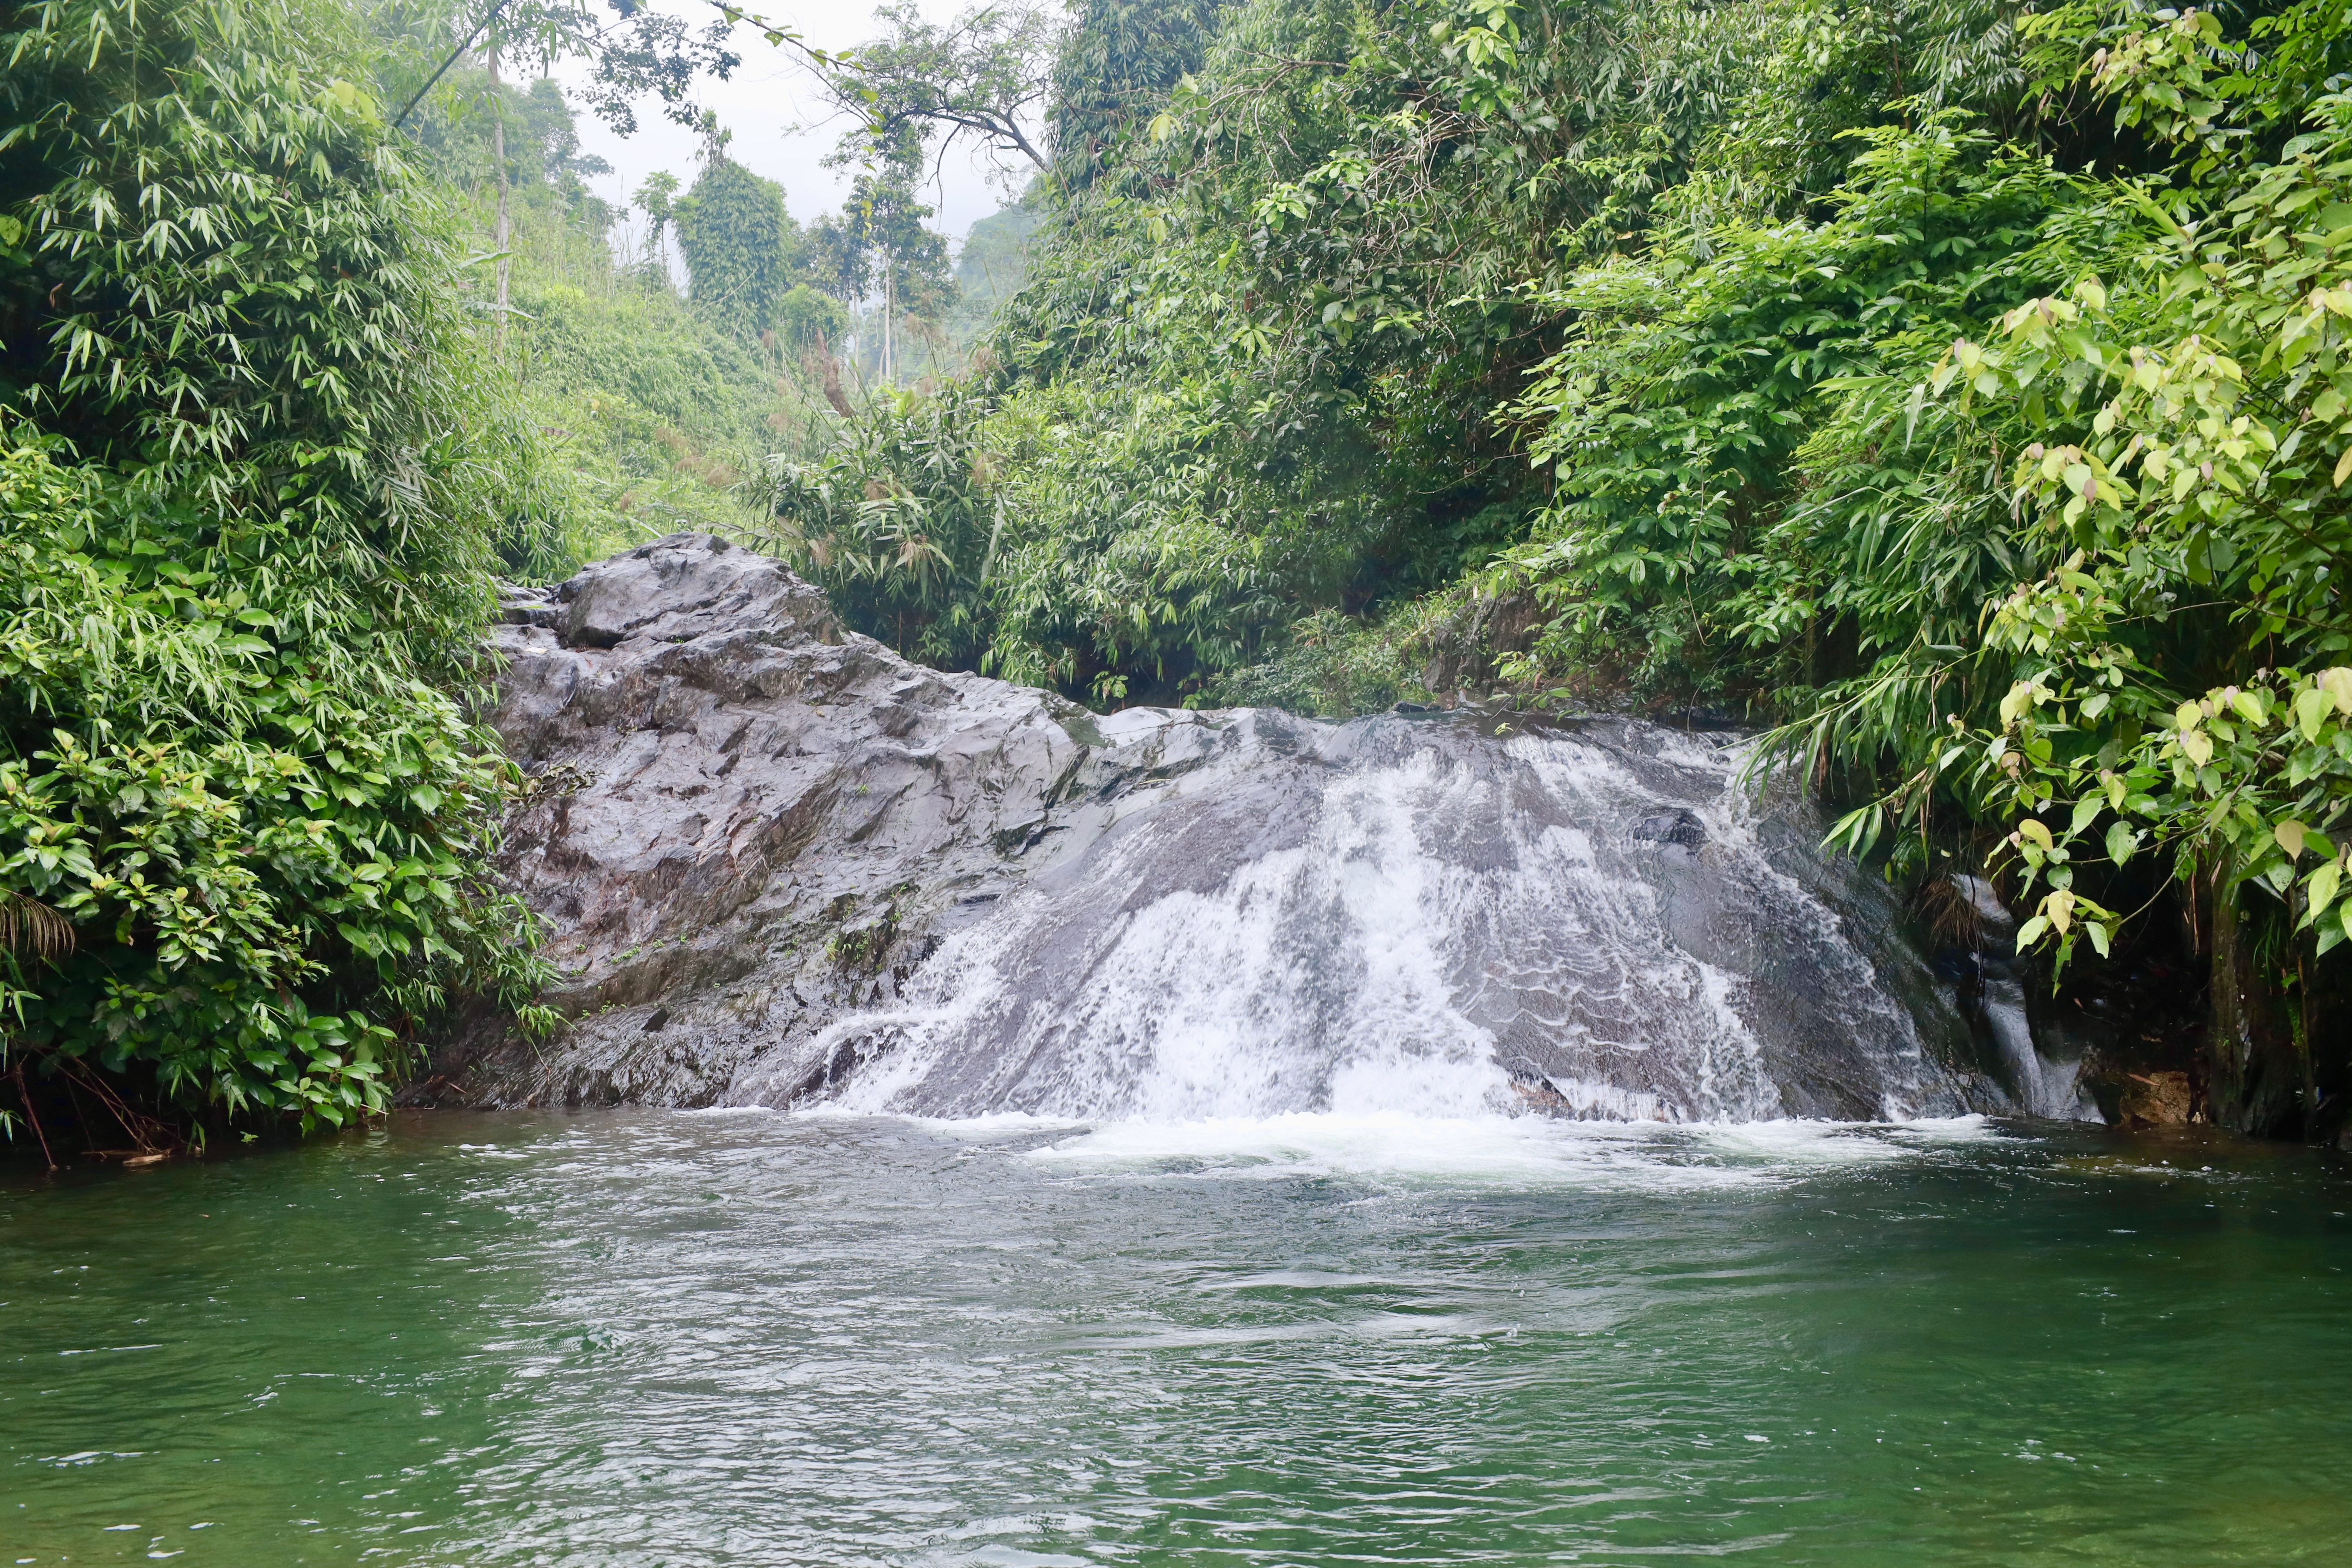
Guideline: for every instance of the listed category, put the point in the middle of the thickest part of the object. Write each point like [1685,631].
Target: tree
[251,474]
[879,245]
[986,75]
[841,257]
[638,54]
[742,249]
[657,197]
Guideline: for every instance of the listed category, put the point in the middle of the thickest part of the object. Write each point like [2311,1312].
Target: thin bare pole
[398,120]
[25,1094]
[503,228]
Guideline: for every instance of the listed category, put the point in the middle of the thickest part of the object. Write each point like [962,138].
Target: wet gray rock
[1679,827]
[778,864]
[746,821]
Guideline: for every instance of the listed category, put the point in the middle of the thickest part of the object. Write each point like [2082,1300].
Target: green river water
[652,1338]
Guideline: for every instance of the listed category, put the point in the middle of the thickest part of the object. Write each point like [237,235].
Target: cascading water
[1418,917]
[781,866]
[2043,1088]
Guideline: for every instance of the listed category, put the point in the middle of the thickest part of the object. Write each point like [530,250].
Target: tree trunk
[2256,1071]
[831,370]
[503,226]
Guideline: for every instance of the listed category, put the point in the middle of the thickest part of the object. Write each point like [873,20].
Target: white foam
[1213,1004]
[1489,1151]
[1002,1124]
[1973,1127]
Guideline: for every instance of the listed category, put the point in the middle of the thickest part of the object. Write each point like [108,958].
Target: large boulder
[743,820]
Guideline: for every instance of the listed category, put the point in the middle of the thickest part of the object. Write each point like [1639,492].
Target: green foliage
[1711,507]
[1259,365]
[742,249]
[644,415]
[657,416]
[247,502]
[1335,666]
[1116,68]
[897,521]
[2021,492]
[807,319]
[2195,437]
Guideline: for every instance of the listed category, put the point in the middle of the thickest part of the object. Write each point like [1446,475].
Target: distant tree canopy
[453,131]
[742,250]
[994,259]
[878,251]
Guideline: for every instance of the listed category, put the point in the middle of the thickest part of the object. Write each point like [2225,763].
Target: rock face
[781,865]
[2157,1099]
[745,821]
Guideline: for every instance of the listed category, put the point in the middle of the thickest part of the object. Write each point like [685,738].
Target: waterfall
[1416,916]
[2042,1087]
[779,866]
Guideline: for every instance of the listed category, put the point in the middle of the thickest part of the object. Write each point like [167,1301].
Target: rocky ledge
[743,821]
[749,829]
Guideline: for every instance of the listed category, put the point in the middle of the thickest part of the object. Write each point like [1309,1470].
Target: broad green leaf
[2085,810]
[2311,709]
[2319,890]
[2059,908]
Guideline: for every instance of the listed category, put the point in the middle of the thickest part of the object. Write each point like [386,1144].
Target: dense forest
[1954,392]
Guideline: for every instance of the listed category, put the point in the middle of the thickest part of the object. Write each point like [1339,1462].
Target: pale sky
[778,116]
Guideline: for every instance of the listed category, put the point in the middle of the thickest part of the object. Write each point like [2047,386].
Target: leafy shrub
[246,504]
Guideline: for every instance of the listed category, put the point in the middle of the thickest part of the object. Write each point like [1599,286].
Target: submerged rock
[780,865]
[1680,827]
